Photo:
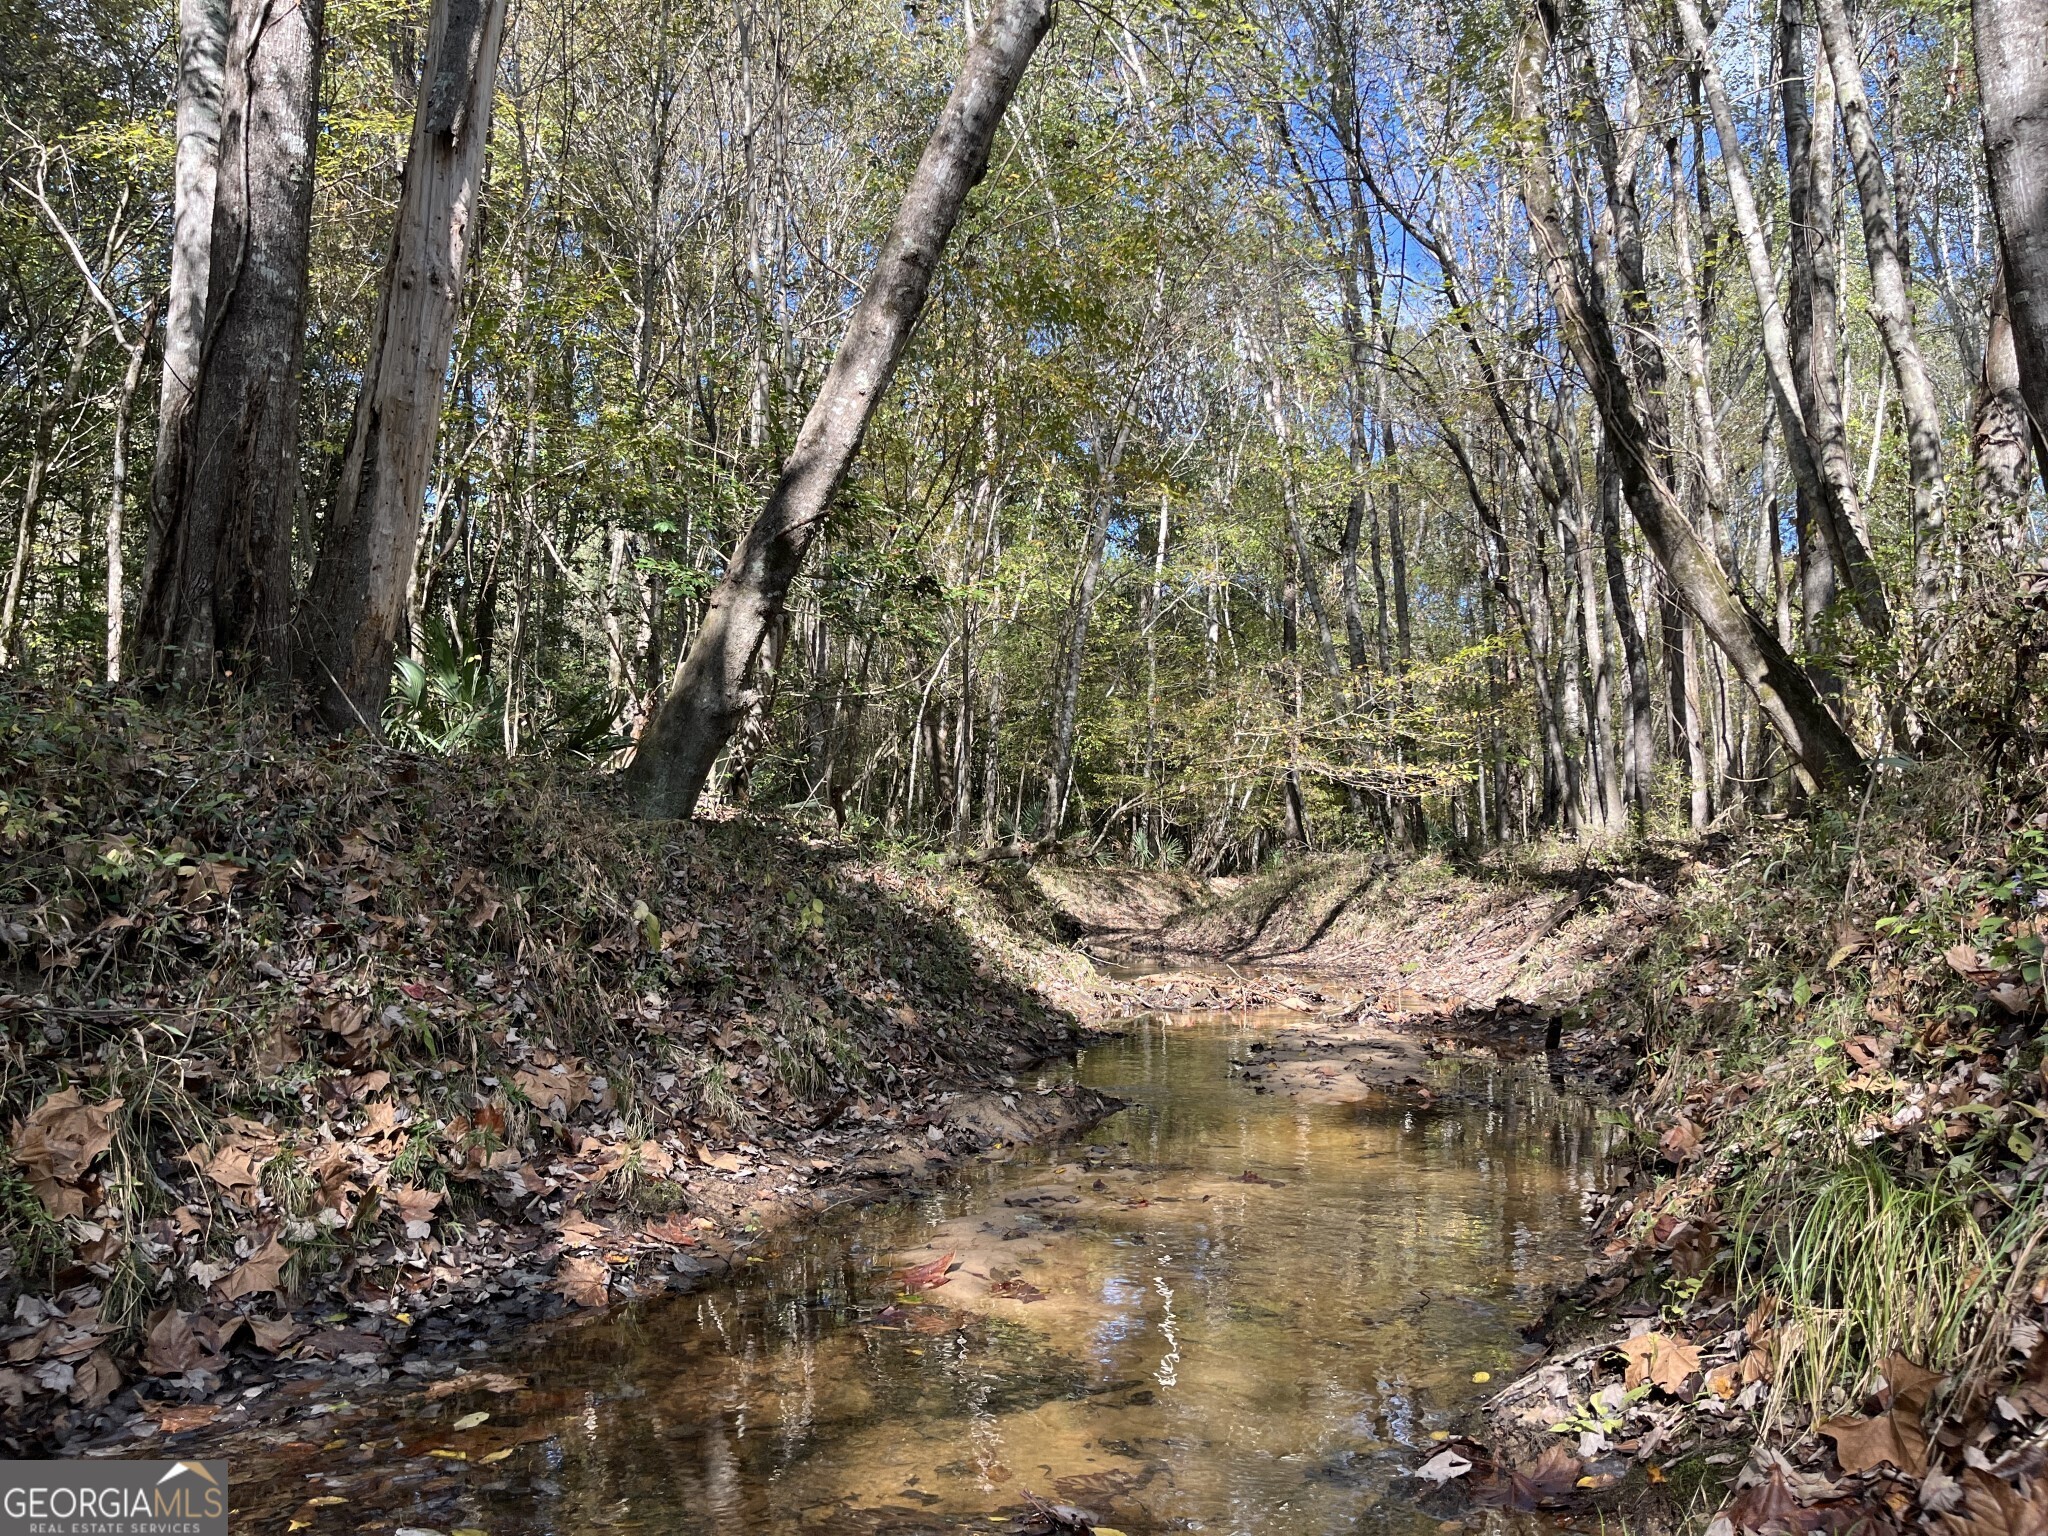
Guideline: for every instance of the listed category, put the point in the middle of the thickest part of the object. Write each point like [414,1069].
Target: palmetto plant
[447,704]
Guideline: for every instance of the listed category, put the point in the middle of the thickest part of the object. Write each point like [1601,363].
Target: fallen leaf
[274,1333]
[1442,1467]
[587,1282]
[1681,1143]
[925,1277]
[470,1420]
[172,1346]
[261,1271]
[1893,1438]
[176,1420]
[1659,1360]
[57,1143]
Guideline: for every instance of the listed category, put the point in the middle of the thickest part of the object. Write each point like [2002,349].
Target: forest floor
[322,1063]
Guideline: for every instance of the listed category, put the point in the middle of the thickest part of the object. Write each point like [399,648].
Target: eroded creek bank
[1250,1301]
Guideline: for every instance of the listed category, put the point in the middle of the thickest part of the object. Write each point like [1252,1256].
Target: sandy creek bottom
[1254,1312]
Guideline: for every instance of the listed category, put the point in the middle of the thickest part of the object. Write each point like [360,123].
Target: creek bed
[1225,1309]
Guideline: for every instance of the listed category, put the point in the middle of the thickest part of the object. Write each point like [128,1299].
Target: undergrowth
[220,935]
[1845,1031]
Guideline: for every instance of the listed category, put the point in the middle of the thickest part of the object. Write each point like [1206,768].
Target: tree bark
[218,597]
[1811,734]
[2012,83]
[710,694]
[1891,305]
[1999,437]
[202,58]
[355,604]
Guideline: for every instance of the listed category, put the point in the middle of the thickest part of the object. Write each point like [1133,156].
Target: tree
[217,598]
[2012,80]
[356,602]
[202,61]
[709,695]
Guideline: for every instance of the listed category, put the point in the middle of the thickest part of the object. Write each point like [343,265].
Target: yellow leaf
[326,1499]
[471,1420]
[450,1455]
[495,1456]
[1482,1375]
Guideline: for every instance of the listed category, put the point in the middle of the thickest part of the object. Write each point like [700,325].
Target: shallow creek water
[1253,1312]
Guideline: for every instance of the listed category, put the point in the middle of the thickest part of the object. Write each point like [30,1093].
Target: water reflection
[1229,1311]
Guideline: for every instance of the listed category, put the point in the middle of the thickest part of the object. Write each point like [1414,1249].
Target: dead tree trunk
[710,694]
[218,597]
[356,602]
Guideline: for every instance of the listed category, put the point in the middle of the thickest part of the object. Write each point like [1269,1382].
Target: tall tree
[217,601]
[2012,81]
[202,61]
[357,599]
[709,696]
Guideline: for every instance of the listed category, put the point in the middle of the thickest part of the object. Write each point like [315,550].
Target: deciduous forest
[615,612]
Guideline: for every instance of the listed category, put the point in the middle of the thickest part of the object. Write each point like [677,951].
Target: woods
[1295,427]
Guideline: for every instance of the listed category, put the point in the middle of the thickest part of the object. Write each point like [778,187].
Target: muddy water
[1225,1311]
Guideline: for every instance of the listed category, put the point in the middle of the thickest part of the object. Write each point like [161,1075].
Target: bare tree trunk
[710,696]
[117,493]
[33,489]
[1891,305]
[1812,735]
[2012,81]
[1067,698]
[1803,437]
[202,58]
[1999,435]
[1642,731]
[218,598]
[355,603]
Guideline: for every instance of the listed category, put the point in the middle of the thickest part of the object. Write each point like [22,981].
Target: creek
[1224,1309]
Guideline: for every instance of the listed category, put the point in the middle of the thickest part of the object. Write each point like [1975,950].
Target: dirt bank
[319,1055]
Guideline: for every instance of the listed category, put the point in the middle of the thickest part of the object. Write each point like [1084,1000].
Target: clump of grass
[1861,1263]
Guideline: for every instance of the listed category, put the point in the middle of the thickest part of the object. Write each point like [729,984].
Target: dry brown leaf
[274,1333]
[175,1421]
[1681,1143]
[1660,1360]
[262,1271]
[58,1142]
[1993,1507]
[174,1346]
[96,1379]
[587,1282]
[1893,1438]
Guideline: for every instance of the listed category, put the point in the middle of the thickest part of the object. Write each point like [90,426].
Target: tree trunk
[356,601]
[1999,436]
[1067,697]
[117,493]
[1812,735]
[2012,82]
[710,695]
[35,486]
[218,598]
[1891,305]
[1803,438]
[1642,732]
[202,57]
